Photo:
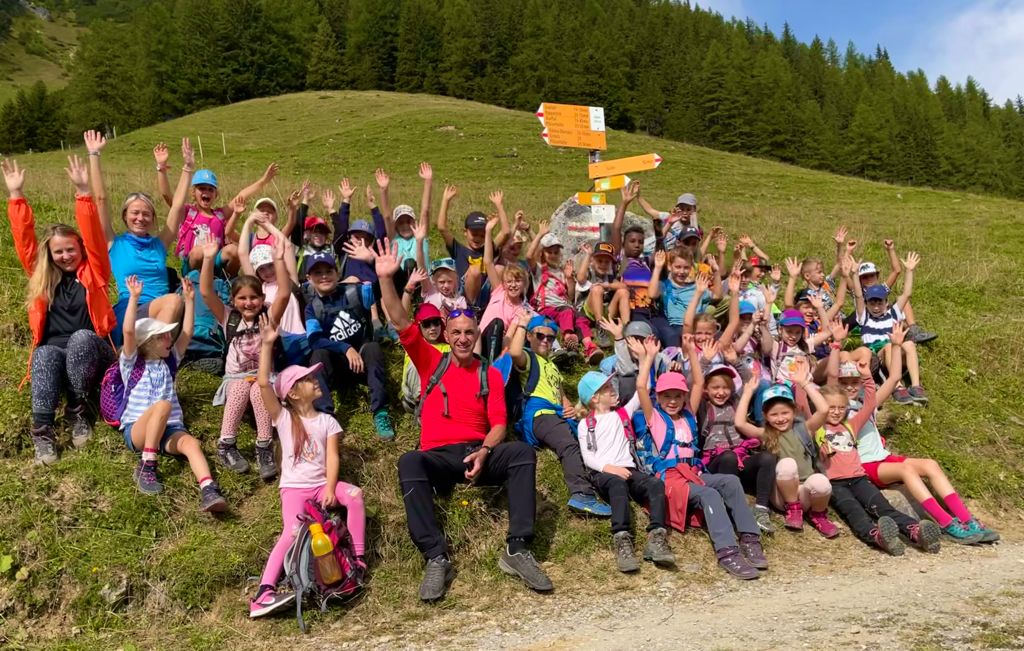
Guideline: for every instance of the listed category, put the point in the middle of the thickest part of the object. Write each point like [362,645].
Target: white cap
[688,199]
[403,210]
[550,240]
[147,328]
[264,200]
[867,268]
[261,254]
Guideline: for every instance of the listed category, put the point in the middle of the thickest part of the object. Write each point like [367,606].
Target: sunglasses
[467,312]
[432,323]
[543,337]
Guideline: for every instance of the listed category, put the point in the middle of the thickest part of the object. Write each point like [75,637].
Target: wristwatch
[488,448]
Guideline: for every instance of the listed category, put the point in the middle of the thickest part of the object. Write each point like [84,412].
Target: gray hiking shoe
[81,428]
[45,441]
[887,536]
[625,559]
[918,394]
[211,500]
[145,479]
[918,335]
[526,567]
[763,518]
[437,576]
[229,457]
[657,550]
[925,536]
[265,461]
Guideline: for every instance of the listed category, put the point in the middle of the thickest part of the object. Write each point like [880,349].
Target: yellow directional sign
[611,183]
[591,198]
[624,165]
[571,125]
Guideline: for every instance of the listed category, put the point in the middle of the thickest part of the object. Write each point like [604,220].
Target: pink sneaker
[268,601]
[794,516]
[819,520]
[593,354]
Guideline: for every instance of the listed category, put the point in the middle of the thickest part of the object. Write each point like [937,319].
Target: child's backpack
[114,392]
[655,461]
[299,563]
[517,393]
[435,381]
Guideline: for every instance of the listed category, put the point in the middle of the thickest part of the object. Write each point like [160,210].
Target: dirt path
[962,598]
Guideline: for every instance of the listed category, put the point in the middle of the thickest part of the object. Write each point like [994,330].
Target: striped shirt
[874,329]
[156,383]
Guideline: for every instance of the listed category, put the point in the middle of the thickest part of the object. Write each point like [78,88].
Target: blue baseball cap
[591,383]
[361,226]
[876,292]
[320,257]
[607,365]
[746,307]
[476,221]
[442,263]
[776,392]
[204,177]
[540,321]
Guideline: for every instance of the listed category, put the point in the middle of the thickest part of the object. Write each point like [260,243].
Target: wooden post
[202,159]
[223,144]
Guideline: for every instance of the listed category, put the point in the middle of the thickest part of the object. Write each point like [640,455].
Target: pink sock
[941,517]
[205,481]
[957,508]
[149,454]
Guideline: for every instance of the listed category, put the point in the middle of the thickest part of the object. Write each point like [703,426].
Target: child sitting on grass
[671,454]
[869,275]
[677,292]
[608,448]
[468,257]
[309,465]
[877,317]
[508,293]
[431,324]
[153,421]
[599,290]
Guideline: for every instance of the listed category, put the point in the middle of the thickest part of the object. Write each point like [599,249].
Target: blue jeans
[169,430]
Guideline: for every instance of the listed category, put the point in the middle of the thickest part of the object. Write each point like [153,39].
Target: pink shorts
[871,469]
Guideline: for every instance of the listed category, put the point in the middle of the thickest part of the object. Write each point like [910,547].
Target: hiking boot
[382,422]
[625,559]
[590,505]
[571,341]
[657,550]
[437,576]
[925,536]
[919,395]
[229,457]
[920,336]
[794,516]
[211,365]
[975,527]
[81,428]
[211,500]
[763,518]
[145,479]
[45,441]
[732,561]
[819,520]
[750,546]
[265,462]
[526,567]
[902,397]
[887,536]
[593,354]
[268,601]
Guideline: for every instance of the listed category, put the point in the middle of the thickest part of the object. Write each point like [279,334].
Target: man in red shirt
[462,439]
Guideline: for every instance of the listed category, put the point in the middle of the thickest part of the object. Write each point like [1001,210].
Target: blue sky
[983,39]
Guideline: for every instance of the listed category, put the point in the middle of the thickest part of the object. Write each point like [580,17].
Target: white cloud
[984,40]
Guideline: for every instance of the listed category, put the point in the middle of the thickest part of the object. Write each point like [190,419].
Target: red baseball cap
[427,311]
[313,221]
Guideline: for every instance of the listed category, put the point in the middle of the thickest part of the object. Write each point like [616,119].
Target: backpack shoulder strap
[533,378]
[670,432]
[439,370]
[482,371]
[231,327]
[318,306]
[627,424]
[138,369]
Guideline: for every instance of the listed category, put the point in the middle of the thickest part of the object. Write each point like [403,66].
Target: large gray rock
[570,212]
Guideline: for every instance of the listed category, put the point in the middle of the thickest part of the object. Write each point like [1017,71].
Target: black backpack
[435,381]
[517,392]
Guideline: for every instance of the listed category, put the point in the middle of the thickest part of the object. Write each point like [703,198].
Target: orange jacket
[94,271]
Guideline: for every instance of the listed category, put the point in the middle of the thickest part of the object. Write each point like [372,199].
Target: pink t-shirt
[309,469]
[659,428]
[291,320]
[243,354]
[844,462]
[201,226]
[500,308]
[442,303]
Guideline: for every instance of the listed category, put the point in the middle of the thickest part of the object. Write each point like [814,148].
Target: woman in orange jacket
[69,312]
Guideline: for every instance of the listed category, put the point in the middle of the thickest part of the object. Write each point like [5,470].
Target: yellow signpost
[624,165]
[571,125]
[591,198]
[609,183]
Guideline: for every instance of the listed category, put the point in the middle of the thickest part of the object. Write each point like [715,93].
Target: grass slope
[78,530]
[36,50]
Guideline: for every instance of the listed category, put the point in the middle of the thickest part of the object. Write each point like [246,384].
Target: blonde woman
[69,313]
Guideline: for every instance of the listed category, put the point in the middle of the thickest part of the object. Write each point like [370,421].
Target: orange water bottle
[327,568]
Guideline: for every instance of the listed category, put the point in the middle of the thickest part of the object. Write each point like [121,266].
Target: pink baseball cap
[669,381]
[287,378]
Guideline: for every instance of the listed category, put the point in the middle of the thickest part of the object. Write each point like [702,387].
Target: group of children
[715,386]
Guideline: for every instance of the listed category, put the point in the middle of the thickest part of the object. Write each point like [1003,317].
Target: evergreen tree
[419,47]
[371,43]
[327,66]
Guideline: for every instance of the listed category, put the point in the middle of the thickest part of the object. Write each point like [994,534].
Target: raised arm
[23,224]
[859,305]
[87,218]
[188,320]
[387,217]
[646,352]
[386,264]
[584,268]
[161,155]
[733,326]
[533,251]
[749,243]
[268,335]
[498,199]
[416,279]
[492,272]
[206,288]
[427,174]
[840,239]
[450,192]
[743,426]
[845,268]
[245,243]
[250,191]
[174,215]
[130,312]
[629,193]
[910,264]
[696,373]
[801,378]
[648,208]
[691,308]
[793,269]
[94,144]
[895,265]
[654,286]
[284,281]
[516,347]
[896,338]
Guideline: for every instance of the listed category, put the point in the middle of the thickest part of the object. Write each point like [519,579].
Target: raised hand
[268,329]
[776,274]
[161,154]
[839,330]
[729,353]
[746,241]
[294,198]
[416,278]
[587,248]
[711,350]
[14,177]
[95,142]
[630,191]
[898,334]
[327,200]
[799,375]
[382,177]
[544,228]
[703,282]
[851,246]
[79,174]
[357,250]
[769,295]
[426,171]
[497,198]
[347,190]
[911,261]
[614,327]
[269,173]
[523,317]
[371,199]
[306,192]
[278,248]
[491,223]
[209,250]
[660,258]
[793,267]
[188,290]
[846,265]
[751,385]
[521,224]
[134,286]
[238,204]
[721,242]
[386,262]
[636,347]
[689,344]
[450,192]
[188,157]
[735,280]
[420,229]
[816,301]
[840,235]
[569,270]
[888,244]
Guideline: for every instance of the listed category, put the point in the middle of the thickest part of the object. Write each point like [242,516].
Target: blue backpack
[655,461]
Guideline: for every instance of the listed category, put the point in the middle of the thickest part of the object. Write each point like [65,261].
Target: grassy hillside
[71,537]
[37,50]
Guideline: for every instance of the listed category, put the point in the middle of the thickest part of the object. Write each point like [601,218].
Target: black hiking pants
[646,490]
[859,503]
[551,431]
[338,374]
[757,474]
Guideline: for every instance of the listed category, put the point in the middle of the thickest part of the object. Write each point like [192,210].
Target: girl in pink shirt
[309,464]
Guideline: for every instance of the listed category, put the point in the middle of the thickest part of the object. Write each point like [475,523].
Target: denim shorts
[170,430]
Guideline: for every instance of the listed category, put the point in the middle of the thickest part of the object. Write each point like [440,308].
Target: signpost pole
[606,229]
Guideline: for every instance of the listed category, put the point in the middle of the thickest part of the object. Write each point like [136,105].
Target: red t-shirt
[469,419]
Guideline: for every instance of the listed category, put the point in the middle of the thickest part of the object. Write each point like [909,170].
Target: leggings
[293,502]
[78,367]
[240,393]
[568,320]
[757,474]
